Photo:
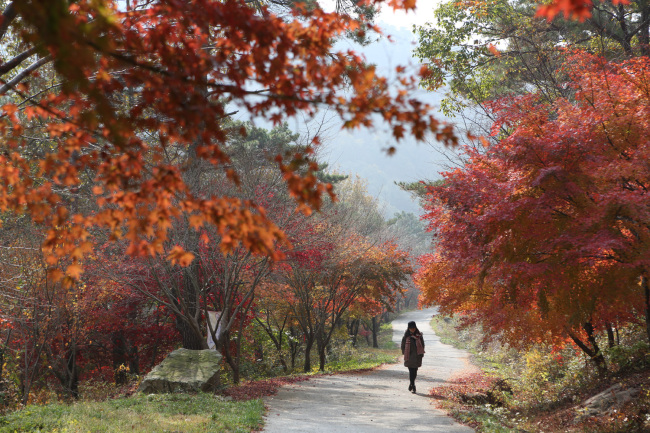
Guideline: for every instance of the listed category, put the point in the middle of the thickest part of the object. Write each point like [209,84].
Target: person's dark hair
[412,325]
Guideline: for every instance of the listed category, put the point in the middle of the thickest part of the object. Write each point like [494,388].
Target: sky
[423,14]
[360,151]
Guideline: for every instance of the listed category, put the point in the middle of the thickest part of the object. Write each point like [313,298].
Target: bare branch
[8,66]
[18,78]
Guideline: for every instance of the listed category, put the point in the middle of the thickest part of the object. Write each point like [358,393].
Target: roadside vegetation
[541,389]
[105,407]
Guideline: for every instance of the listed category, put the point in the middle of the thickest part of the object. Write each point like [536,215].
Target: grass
[484,419]
[139,413]
[362,358]
[183,412]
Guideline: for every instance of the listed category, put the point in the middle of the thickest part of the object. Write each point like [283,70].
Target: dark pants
[413,373]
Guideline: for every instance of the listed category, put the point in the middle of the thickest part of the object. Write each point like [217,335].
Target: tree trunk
[644,31]
[278,347]
[134,359]
[72,373]
[598,355]
[321,359]
[294,346]
[308,345]
[68,374]
[191,340]
[646,292]
[119,357]
[283,363]
[240,334]
[353,330]
[320,345]
[277,343]
[594,354]
[225,351]
[375,332]
[611,341]
[366,333]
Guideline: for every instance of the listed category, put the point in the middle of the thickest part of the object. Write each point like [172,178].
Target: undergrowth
[539,389]
[106,408]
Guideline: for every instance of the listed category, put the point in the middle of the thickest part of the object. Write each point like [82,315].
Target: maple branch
[226,88]
[31,97]
[18,78]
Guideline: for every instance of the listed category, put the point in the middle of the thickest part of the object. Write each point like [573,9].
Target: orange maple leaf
[178,256]
[74,271]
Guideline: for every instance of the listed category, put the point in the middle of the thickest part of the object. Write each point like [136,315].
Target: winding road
[373,402]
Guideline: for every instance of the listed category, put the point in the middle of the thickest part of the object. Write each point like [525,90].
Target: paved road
[374,402]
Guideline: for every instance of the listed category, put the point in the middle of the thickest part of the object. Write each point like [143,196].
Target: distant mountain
[360,151]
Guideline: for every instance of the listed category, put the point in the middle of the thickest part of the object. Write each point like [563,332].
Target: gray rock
[475,398]
[184,370]
[605,402]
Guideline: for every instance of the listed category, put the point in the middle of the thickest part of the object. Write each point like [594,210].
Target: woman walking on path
[413,351]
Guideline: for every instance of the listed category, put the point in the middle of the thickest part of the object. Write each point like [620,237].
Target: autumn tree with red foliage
[128,331]
[545,236]
[347,269]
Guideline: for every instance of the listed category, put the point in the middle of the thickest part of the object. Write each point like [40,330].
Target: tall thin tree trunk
[240,334]
[72,372]
[611,341]
[646,292]
[294,346]
[308,345]
[375,332]
[119,357]
[320,344]
[353,330]
[644,31]
[225,351]
[134,359]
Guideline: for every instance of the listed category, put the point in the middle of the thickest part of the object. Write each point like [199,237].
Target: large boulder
[184,370]
[606,402]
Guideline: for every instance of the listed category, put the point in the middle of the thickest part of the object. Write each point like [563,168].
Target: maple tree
[129,332]
[340,264]
[319,297]
[32,314]
[220,280]
[181,66]
[543,237]
[274,316]
[56,336]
